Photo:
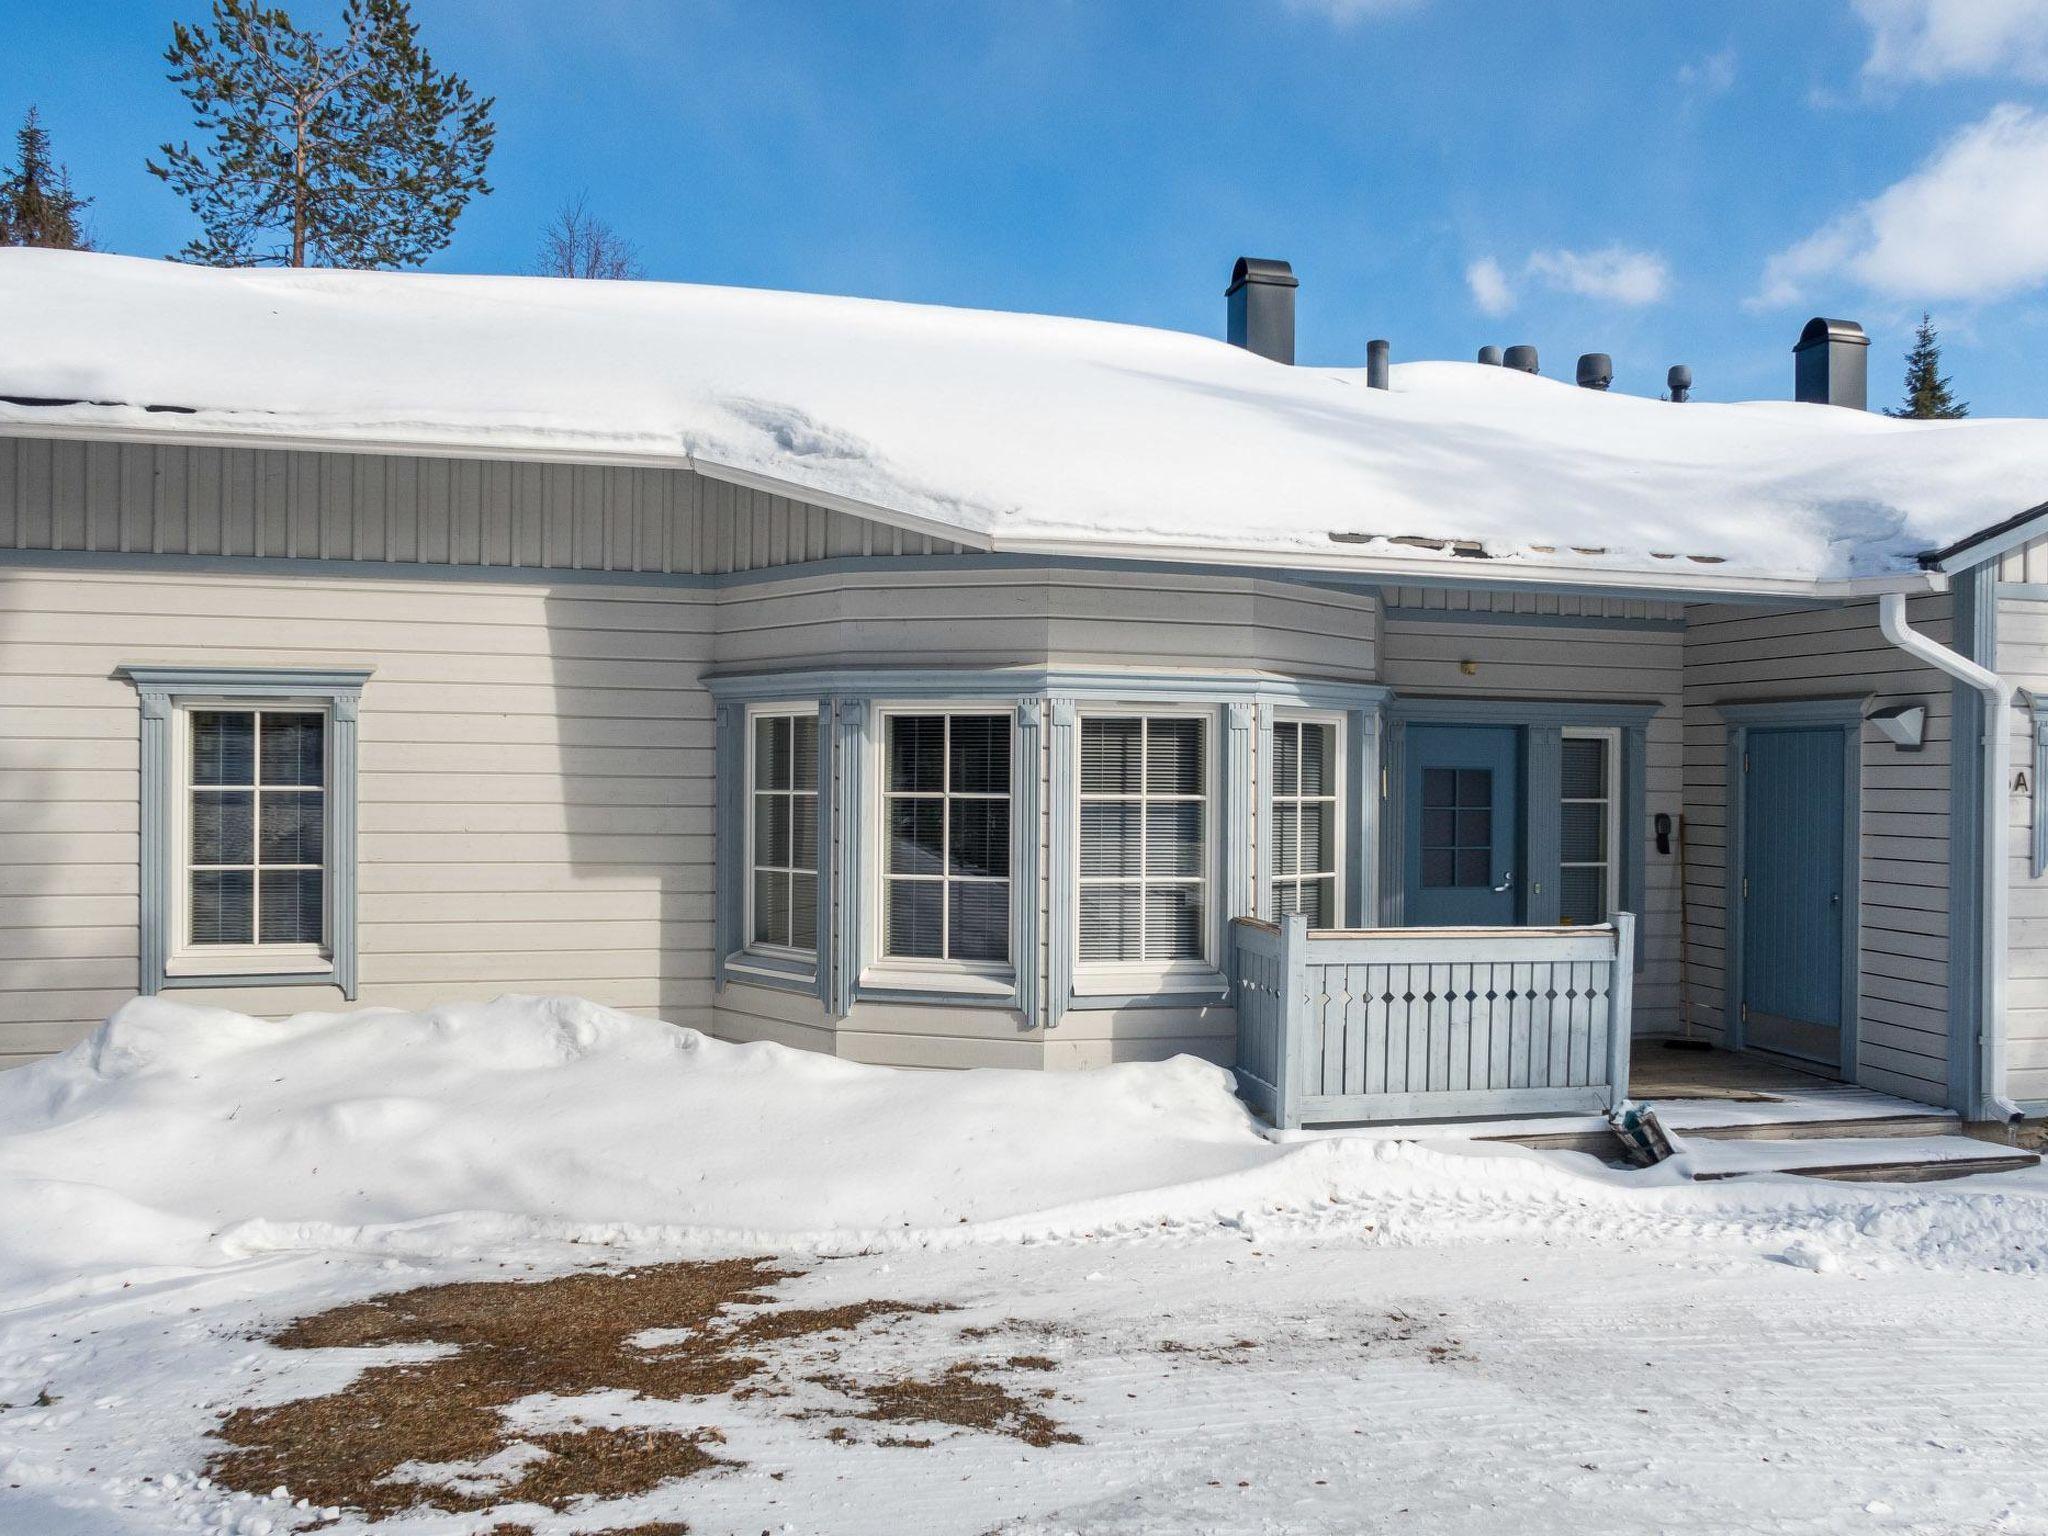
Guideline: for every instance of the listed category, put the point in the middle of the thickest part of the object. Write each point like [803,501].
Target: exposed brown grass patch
[380,1445]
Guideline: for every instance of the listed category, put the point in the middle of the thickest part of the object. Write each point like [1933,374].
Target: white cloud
[1971,224]
[1614,273]
[1489,287]
[1344,12]
[1940,39]
[1710,76]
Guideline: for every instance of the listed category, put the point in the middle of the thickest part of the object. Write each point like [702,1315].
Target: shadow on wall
[632,731]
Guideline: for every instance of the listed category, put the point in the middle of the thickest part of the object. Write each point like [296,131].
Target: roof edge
[1986,543]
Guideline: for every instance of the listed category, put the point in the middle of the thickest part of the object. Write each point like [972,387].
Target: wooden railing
[1379,1024]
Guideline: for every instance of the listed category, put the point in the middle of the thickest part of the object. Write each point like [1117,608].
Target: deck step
[1934,1123]
[1860,1157]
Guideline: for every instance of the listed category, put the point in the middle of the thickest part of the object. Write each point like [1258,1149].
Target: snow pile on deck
[1028,431]
[177,1137]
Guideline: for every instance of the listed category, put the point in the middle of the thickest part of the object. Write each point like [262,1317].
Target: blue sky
[1663,182]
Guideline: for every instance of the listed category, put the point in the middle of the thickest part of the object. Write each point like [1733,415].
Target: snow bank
[175,1132]
[1026,430]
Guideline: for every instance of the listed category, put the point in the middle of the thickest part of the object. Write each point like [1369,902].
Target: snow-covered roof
[1011,432]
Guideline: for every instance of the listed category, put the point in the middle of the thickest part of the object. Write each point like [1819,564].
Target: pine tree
[1928,397]
[37,205]
[356,154]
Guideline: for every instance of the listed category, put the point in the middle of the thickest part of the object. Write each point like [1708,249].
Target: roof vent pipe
[1679,380]
[1377,354]
[1490,356]
[1831,364]
[1261,295]
[1596,370]
[1522,359]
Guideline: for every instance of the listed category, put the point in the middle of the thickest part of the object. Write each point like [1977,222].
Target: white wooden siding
[141,498]
[1746,654]
[1428,656]
[2028,563]
[535,784]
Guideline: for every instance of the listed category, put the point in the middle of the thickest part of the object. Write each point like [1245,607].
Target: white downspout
[1989,1100]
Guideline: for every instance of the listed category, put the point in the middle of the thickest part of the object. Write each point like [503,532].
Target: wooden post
[1293,1054]
[1621,1023]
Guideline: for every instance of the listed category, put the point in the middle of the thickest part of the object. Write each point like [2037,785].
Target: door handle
[1507,882]
[1835,899]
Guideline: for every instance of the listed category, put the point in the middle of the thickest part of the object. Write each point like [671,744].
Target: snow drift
[1021,431]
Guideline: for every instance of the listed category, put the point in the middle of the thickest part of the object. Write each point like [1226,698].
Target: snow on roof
[1018,432]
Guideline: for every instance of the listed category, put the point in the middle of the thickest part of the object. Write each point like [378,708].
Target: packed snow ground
[1024,431]
[1576,1349]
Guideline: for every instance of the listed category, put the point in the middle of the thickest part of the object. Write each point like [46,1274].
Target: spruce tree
[352,154]
[1928,396]
[37,205]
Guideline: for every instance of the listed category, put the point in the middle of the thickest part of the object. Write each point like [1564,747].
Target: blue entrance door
[1463,833]
[1792,870]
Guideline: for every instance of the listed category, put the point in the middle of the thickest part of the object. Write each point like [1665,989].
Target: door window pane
[1457,828]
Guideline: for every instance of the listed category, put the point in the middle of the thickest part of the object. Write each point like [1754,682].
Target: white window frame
[882,971]
[1612,736]
[1150,977]
[1340,778]
[783,956]
[184,958]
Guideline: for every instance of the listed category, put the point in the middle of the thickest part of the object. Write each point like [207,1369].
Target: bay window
[1144,872]
[782,861]
[1307,819]
[946,838]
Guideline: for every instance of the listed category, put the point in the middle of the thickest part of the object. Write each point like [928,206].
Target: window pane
[1173,922]
[1323,913]
[981,755]
[1109,756]
[1439,868]
[771,907]
[1582,832]
[803,902]
[1475,786]
[1286,840]
[917,753]
[223,906]
[771,752]
[803,848]
[294,749]
[1439,827]
[1287,758]
[1318,839]
[1439,786]
[771,829]
[291,906]
[1475,830]
[223,827]
[916,837]
[912,924]
[1582,895]
[980,920]
[1109,838]
[1173,757]
[981,837]
[1585,768]
[1173,838]
[1109,923]
[1475,867]
[1318,760]
[293,825]
[223,747]
[803,766]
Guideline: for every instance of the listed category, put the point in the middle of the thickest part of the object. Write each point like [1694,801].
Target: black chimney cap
[1596,370]
[1820,329]
[1261,269]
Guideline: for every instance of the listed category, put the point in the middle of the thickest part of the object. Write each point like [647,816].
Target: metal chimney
[1490,356]
[1596,370]
[1377,354]
[1831,364]
[1679,380]
[1261,295]
[1522,359]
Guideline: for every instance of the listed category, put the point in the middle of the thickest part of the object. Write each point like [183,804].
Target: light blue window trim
[1842,714]
[164,689]
[1047,700]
